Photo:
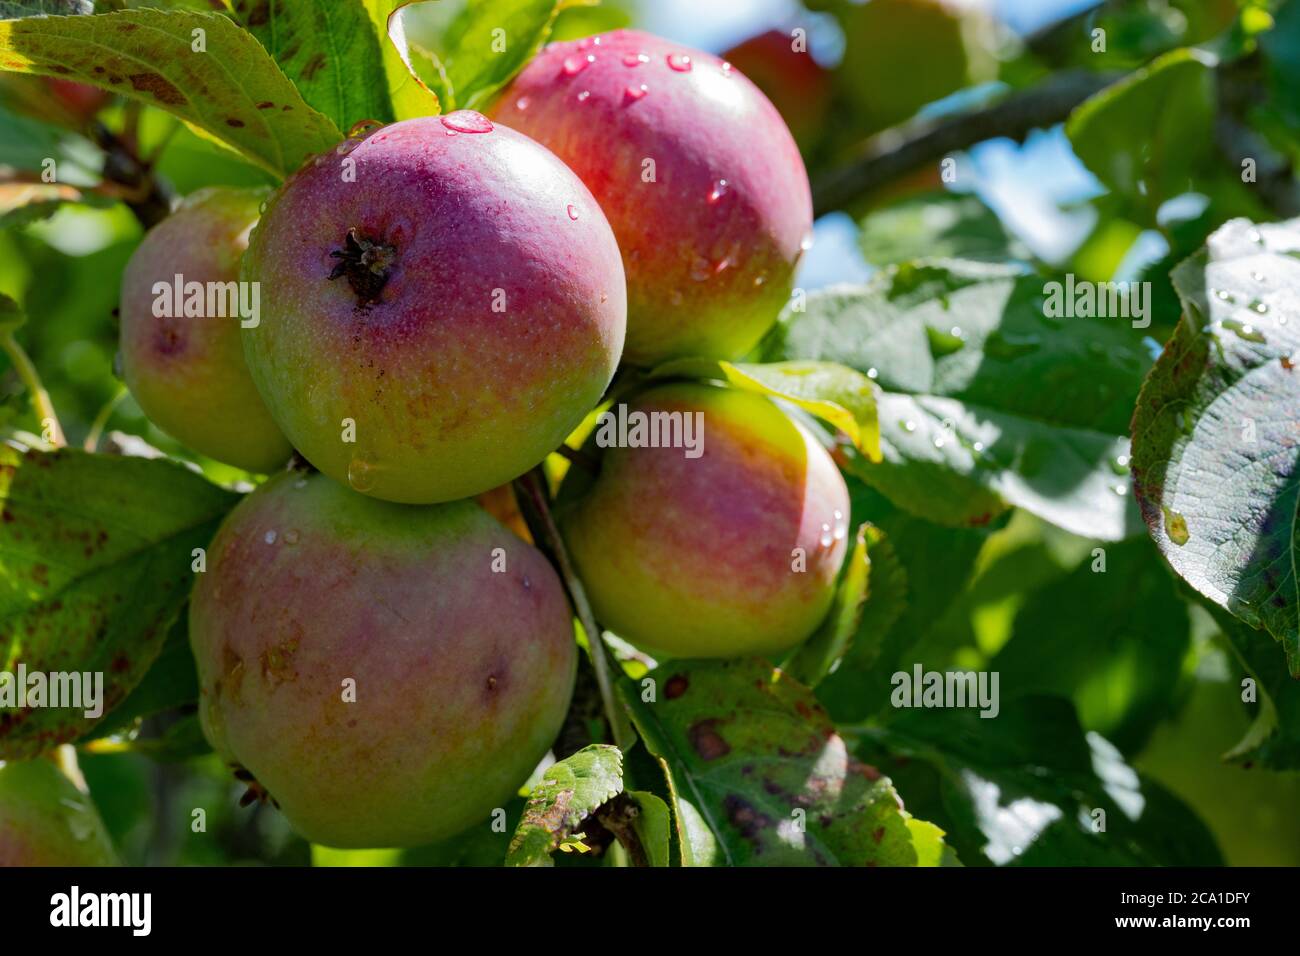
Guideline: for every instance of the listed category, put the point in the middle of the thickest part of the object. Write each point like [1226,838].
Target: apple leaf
[97,551]
[1029,788]
[985,401]
[570,792]
[329,51]
[230,90]
[1147,135]
[936,224]
[653,825]
[1217,428]
[818,655]
[840,396]
[464,51]
[759,777]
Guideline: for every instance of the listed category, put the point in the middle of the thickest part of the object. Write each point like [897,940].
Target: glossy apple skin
[188,373]
[798,86]
[710,245]
[499,326]
[46,821]
[462,674]
[695,557]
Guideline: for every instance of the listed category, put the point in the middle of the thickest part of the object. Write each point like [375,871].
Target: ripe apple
[442,303]
[187,371]
[388,674]
[701,181]
[730,553]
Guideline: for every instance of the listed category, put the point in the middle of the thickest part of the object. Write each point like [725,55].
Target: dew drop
[841,526]
[719,190]
[760,279]
[1223,295]
[291,536]
[573,212]
[1257,276]
[726,69]
[573,65]
[827,538]
[635,59]
[269,537]
[908,426]
[939,441]
[872,374]
[1255,236]
[1258,307]
[1120,465]
[361,474]
[583,96]
[521,104]
[1244,331]
[467,121]
[680,62]
[633,93]
[1120,490]
[806,242]
[978,447]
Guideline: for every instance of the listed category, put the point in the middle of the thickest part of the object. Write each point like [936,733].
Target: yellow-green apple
[723,548]
[442,302]
[181,353]
[388,674]
[698,175]
[46,821]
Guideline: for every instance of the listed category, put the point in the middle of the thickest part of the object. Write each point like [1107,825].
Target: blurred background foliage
[1147,671]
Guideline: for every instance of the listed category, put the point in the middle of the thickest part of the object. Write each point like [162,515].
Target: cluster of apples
[442,301]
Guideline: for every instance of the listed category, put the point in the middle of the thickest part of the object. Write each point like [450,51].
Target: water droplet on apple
[679,62]
[583,96]
[270,537]
[634,93]
[573,212]
[521,104]
[719,190]
[726,69]
[291,536]
[635,59]
[872,373]
[467,121]
[361,474]
[573,65]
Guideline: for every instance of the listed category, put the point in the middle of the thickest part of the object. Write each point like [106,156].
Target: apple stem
[532,489]
[40,397]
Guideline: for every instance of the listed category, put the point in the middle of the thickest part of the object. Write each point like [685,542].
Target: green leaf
[171,682]
[233,91]
[1147,136]
[939,224]
[817,656]
[329,51]
[986,402]
[1024,788]
[466,51]
[840,396]
[759,777]
[653,826]
[570,792]
[1214,435]
[1273,738]
[408,95]
[97,553]
[1116,641]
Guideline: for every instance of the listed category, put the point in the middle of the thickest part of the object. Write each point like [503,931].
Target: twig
[101,420]
[893,153]
[533,499]
[144,195]
[32,380]
[580,458]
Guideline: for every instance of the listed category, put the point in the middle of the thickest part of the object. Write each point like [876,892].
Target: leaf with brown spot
[329,50]
[146,54]
[759,777]
[571,790]
[114,535]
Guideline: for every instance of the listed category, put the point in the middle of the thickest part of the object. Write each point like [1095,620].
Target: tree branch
[893,153]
